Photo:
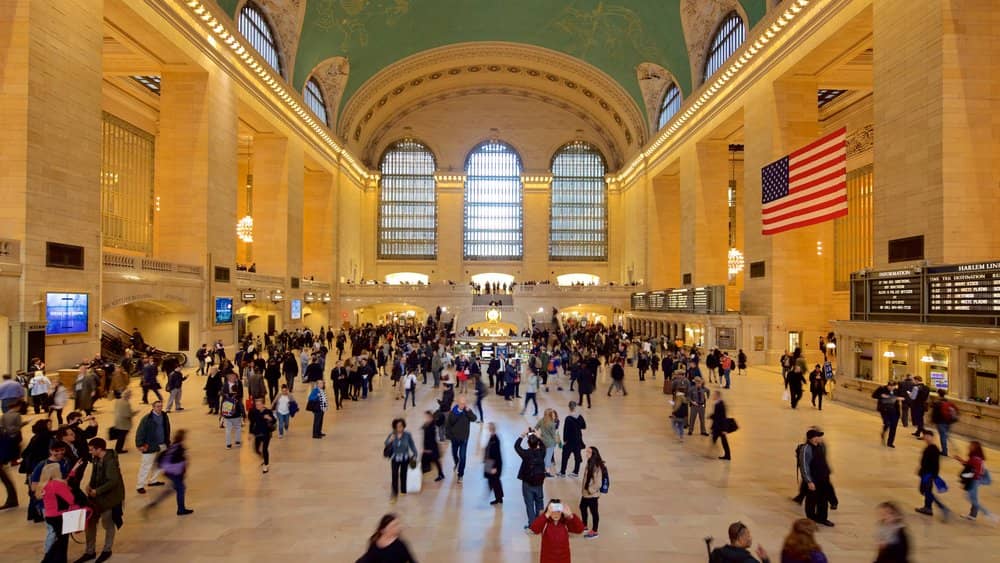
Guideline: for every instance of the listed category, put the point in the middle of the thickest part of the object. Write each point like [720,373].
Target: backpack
[605,482]
[949,412]
[228,408]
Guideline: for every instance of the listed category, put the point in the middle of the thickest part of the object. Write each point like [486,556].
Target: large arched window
[253,25]
[670,106]
[493,203]
[726,41]
[313,95]
[407,218]
[579,216]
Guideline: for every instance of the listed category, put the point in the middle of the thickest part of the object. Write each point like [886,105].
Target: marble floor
[322,498]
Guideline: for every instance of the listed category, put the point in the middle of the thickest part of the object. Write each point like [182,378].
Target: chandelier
[734,262]
[244,229]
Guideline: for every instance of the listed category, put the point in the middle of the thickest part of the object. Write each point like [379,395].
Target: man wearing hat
[816,475]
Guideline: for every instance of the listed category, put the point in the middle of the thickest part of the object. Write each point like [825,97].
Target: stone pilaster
[50,105]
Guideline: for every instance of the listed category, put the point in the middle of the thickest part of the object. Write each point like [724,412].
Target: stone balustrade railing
[254,279]
[125,263]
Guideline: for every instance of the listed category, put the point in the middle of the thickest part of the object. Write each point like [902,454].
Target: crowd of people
[256,387]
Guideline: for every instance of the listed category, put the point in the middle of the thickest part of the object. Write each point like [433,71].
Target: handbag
[731,425]
[387,450]
[312,405]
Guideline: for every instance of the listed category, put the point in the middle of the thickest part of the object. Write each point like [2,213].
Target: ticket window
[863,360]
[983,374]
[934,367]
[897,362]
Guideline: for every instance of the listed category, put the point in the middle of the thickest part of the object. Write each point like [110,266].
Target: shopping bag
[414,479]
[786,396]
[74,521]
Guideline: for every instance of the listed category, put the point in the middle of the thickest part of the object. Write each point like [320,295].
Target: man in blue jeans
[456,428]
[532,475]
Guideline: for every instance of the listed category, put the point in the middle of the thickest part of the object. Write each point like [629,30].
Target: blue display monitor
[223,310]
[296,309]
[66,313]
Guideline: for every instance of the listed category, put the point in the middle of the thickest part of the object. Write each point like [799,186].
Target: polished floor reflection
[322,498]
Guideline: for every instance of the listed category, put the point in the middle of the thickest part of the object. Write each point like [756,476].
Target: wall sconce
[277,296]
[309,297]
[831,345]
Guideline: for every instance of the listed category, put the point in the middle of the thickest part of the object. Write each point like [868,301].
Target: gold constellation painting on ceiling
[349,18]
[605,29]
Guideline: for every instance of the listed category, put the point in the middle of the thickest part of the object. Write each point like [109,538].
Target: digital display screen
[223,310]
[296,309]
[66,313]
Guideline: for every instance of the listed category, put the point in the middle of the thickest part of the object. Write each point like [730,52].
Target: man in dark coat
[573,427]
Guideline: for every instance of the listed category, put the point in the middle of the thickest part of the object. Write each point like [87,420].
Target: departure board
[706,299]
[894,292]
[964,289]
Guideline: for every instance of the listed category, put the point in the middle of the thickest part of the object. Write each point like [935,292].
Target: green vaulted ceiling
[614,35]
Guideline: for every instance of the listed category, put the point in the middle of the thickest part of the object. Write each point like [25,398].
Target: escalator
[114,341]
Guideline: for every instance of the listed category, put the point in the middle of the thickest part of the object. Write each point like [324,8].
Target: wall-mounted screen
[223,310]
[296,309]
[66,313]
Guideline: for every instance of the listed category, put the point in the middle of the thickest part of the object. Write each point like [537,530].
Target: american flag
[806,187]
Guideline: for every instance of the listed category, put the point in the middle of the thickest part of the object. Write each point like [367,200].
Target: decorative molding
[653,83]
[372,148]
[861,141]
[332,75]
[700,20]
[592,88]
[285,17]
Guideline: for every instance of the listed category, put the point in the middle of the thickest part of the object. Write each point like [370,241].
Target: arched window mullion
[578,228]
[727,39]
[258,32]
[313,95]
[671,104]
[407,223]
[494,204]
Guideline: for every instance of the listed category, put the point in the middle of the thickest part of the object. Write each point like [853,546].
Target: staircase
[114,341]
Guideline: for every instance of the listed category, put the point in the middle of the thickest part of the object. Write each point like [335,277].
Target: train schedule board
[964,289]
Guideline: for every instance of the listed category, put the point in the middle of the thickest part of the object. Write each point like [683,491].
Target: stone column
[665,232]
[319,225]
[277,194]
[449,233]
[795,291]
[704,231]
[936,117]
[50,164]
[537,201]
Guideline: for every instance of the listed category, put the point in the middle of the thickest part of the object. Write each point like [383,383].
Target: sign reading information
[895,292]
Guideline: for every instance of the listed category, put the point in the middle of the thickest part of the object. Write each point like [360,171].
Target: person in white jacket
[39,389]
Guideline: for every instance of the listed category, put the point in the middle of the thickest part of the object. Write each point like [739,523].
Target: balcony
[137,268]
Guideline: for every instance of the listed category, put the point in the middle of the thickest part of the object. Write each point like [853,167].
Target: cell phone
[556,507]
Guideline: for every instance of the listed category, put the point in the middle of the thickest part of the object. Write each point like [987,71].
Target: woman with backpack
[173,463]
[974,475]
[231,409]
[262,425]
[595,481]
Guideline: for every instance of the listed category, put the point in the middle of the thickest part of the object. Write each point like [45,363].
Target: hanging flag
[807,187]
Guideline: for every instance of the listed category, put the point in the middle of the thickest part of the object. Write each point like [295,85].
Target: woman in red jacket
[555,525]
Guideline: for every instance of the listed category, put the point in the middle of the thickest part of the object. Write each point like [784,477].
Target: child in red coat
[555,525]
